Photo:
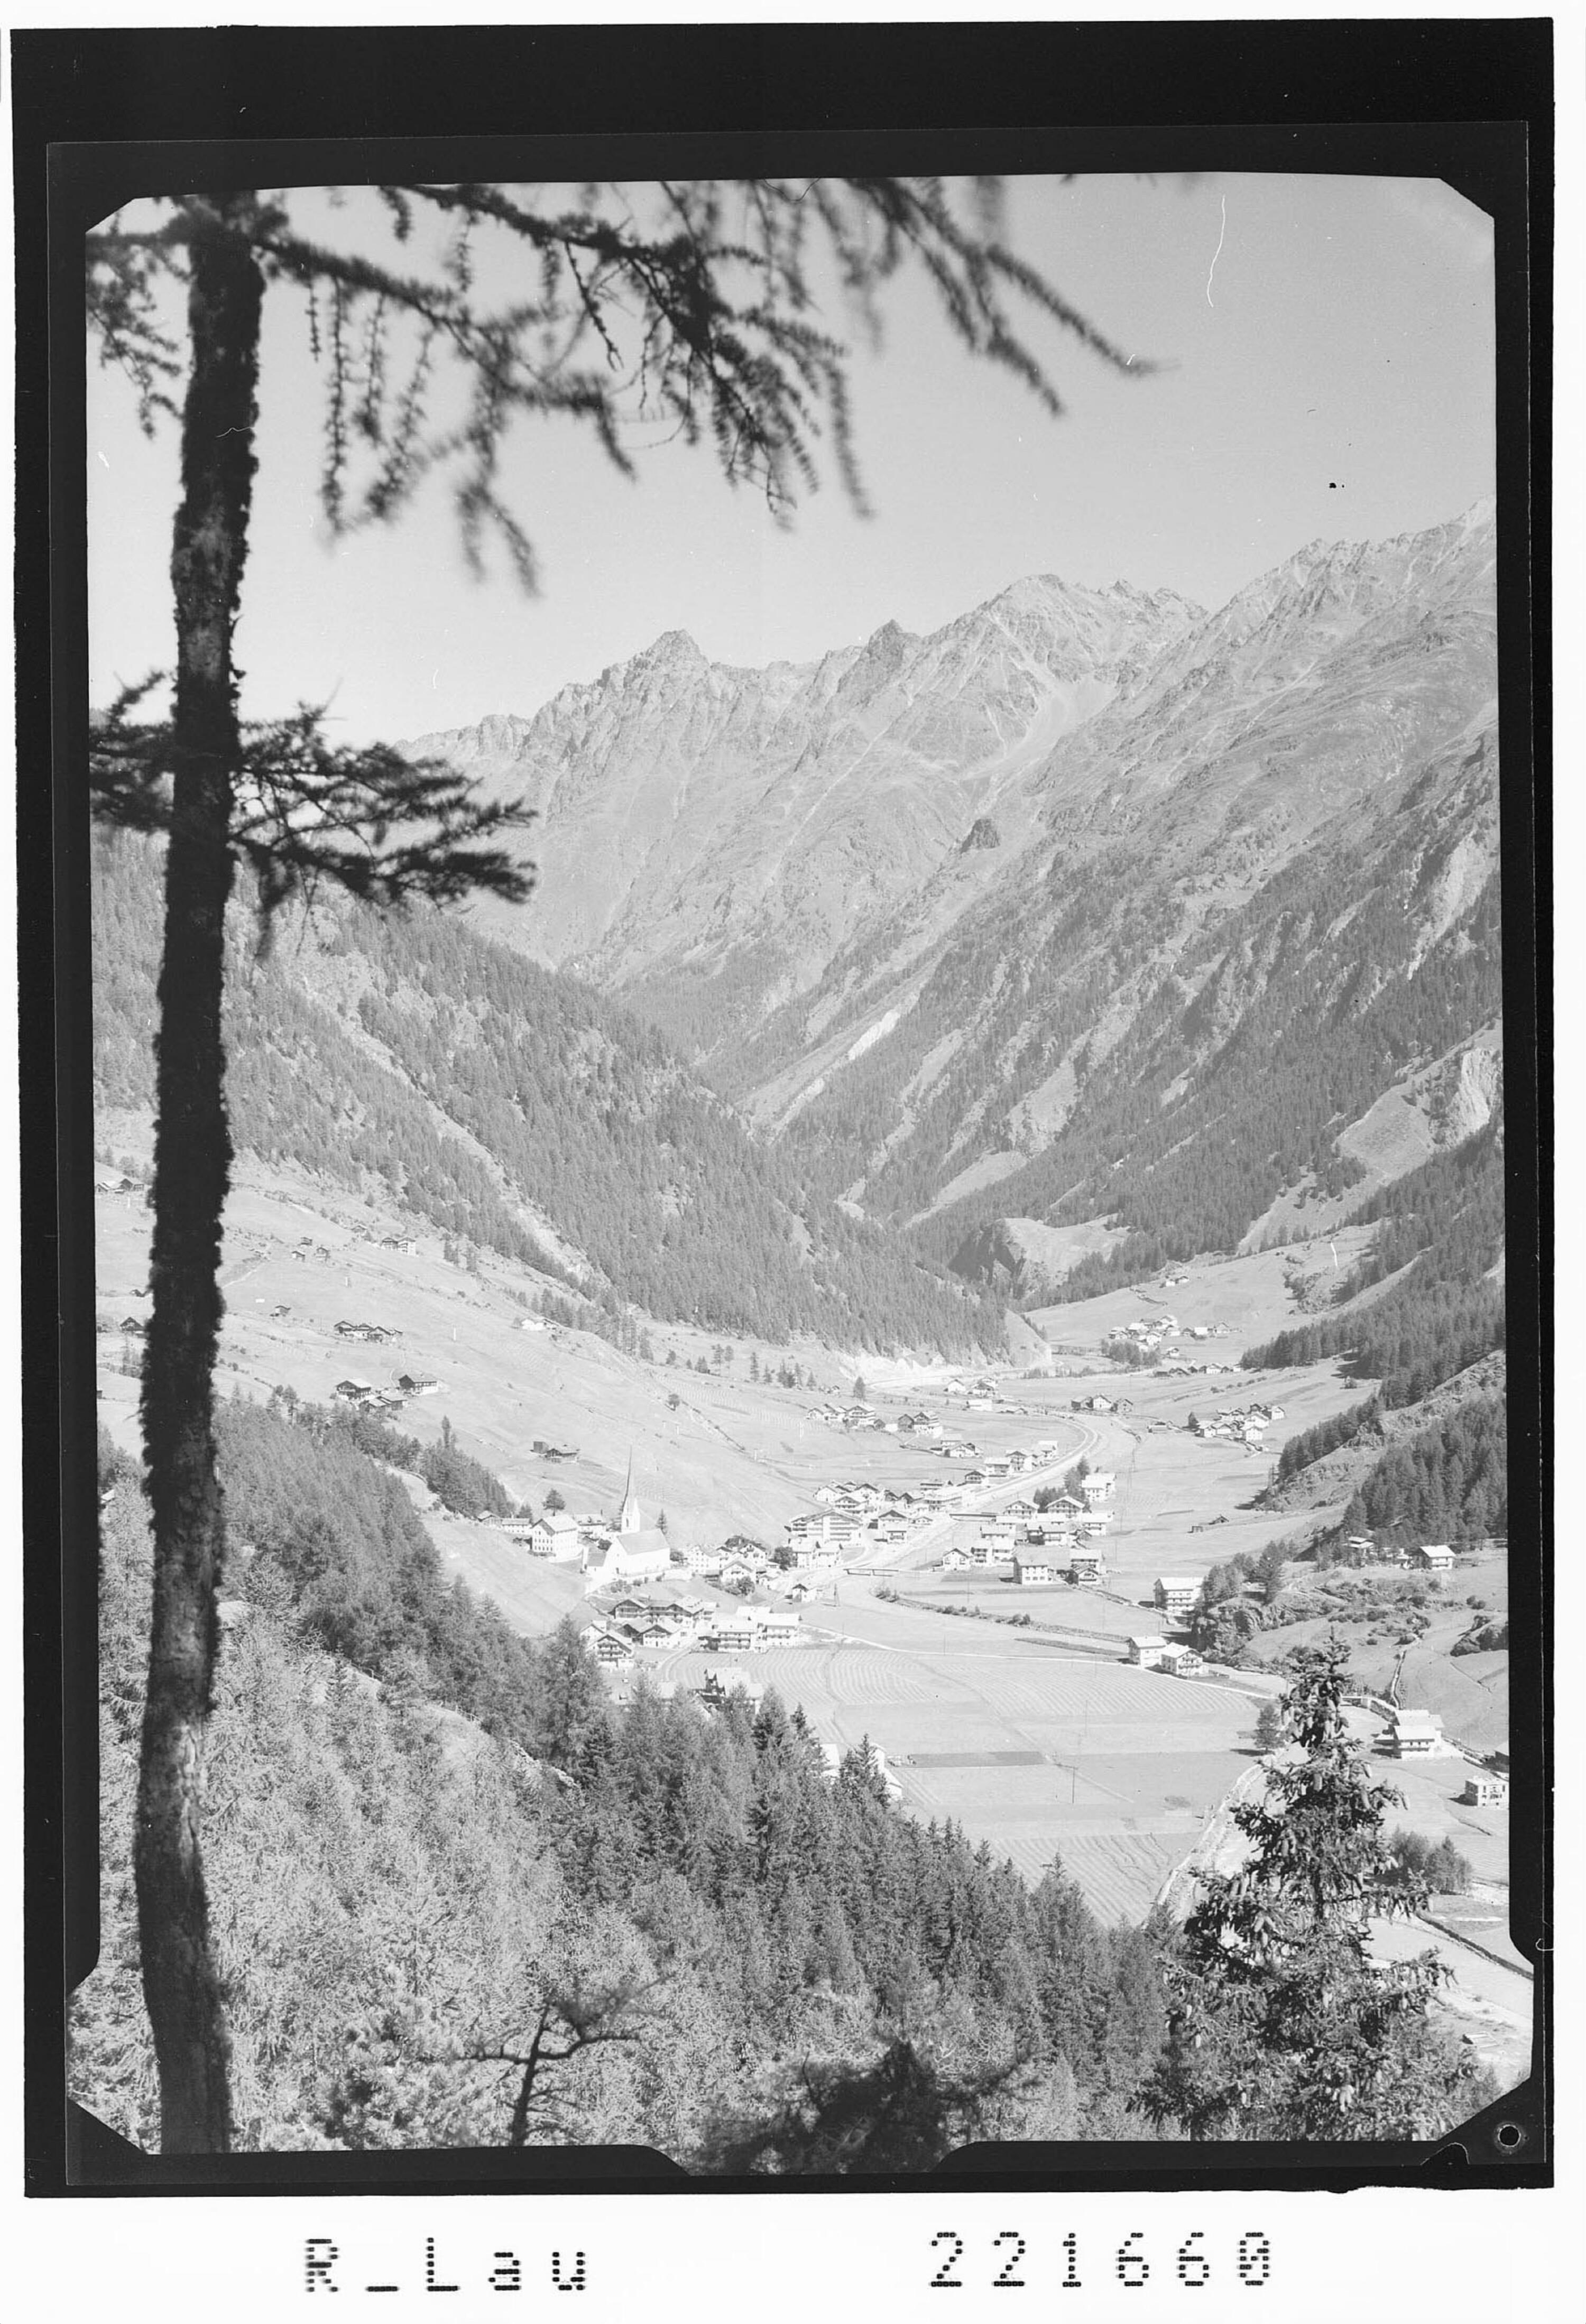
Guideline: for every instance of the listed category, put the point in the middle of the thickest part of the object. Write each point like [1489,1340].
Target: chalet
[701,1561]
[1361,1543]
[957,1559]
[1033,1572]
[976,1477]
[1180,1660]
[347,1391]
[998,1537]
[1086,1566]
[517,1528]
[611,1650]
[996,1467]
[1416,1735]
[135,1325]
[531,1324]
[1022,1510]
[779,1630]
[733,1572]
[111,1181]
[1098,1485]
[1434,1557]
[1176,1593]
[827,1493]
[1485,1791]
[1146,1653]
[1018,1462]
[558,1536]
[1066,1504]
[629,1608]
[417,1384]
[656,1633]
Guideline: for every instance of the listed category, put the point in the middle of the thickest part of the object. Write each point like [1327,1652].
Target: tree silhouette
[700,312]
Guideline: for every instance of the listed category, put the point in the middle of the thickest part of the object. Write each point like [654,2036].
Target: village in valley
[990,1576]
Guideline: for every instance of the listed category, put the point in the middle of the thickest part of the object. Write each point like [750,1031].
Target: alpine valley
[1069,1045]
[1091,927]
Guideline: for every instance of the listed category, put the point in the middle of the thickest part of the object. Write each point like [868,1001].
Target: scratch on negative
[1217,253]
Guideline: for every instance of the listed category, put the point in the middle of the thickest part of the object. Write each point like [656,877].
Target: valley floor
[1042,1741]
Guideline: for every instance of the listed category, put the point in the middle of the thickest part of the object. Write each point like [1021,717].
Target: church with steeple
[635,1553]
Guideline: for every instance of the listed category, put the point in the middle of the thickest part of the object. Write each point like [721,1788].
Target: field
[1042,1753]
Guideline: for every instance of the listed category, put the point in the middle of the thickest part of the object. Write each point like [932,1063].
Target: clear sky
[1332,376]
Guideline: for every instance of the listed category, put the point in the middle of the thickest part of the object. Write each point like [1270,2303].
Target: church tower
[631,1521]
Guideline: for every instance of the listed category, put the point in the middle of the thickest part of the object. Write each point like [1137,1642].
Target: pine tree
[1280,2024]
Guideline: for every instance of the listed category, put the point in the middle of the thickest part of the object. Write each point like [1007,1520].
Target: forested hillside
[752,1967]
[1242,1063]
[1437,1251]
[488,1094]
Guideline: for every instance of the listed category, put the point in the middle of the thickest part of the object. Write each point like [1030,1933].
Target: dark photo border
[100,117]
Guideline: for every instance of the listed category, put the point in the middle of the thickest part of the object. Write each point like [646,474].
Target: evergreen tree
[1280,2025]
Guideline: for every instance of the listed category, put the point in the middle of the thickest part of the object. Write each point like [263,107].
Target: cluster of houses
[1246,1423]
[1175,1596]
[1149,1333]
[665,1621]
[374,1332]
[1055,1543]
[1430,1557]
[364,1396]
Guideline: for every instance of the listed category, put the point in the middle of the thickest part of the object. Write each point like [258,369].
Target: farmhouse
[1033,1572]
[1416,1735]
[1176,1593]
[1486,1792]
[1434,1557]
[1146,1652]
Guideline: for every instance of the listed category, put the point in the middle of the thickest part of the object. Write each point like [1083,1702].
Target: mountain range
[1092,925]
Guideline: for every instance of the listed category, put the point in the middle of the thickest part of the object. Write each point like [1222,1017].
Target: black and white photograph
[798,889]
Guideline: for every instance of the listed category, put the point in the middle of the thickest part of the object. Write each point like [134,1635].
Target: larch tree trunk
[193,1156]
